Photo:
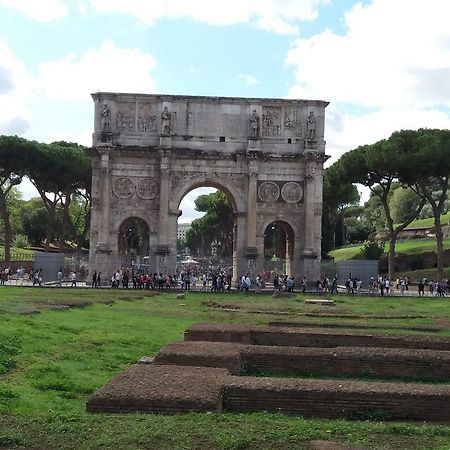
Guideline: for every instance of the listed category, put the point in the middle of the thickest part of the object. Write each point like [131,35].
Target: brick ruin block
[203,354]
[200,376]
[338,361]
[354,325]
[219,332]
[177,389]
[297,337]
[161,389]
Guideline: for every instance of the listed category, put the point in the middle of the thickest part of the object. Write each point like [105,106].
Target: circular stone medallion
[147,189]
[292,192]
[268,192]
[123,188]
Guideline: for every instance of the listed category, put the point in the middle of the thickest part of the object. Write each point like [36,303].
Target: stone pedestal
[102,262]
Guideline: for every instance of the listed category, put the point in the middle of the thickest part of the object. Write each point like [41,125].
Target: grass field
[429,222]
[408,246]
[58,346]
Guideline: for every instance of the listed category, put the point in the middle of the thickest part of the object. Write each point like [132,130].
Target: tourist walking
[73,279]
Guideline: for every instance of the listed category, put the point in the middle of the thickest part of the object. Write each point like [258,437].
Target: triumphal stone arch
[266,155]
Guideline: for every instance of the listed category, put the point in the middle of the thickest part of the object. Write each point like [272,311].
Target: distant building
[182,230]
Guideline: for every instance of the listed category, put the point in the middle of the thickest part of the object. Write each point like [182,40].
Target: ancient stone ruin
[218,367]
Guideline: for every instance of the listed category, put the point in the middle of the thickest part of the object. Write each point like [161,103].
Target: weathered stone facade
[267,155]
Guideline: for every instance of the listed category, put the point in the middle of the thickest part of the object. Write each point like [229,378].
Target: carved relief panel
[290,192]
[291,122]
[271,122]
[141,188]
[123,187]
[125,118]
[147,189]
[146,120]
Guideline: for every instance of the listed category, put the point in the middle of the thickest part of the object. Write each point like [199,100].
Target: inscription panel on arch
[290,192]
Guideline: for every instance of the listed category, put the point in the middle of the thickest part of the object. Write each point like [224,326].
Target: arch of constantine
[266,155]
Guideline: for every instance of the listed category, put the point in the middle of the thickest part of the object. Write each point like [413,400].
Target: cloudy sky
[384,65]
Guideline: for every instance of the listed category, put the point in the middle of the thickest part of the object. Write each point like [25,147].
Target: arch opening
[206,235]
[278,248]
[134,245]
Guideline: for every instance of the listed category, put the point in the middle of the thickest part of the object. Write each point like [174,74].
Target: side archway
[133,243]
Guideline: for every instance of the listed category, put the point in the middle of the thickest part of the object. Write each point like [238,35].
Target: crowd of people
[216,279]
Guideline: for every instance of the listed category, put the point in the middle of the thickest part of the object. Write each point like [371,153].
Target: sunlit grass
[54,359]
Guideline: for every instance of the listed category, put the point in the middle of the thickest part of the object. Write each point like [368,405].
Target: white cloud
[16,91]
[391,54]
[108,68]
[345,131]
[40,10]
[389,71]
[27,189]
[277,16]
[193,70]
[82,138]
[187,204]
[249,79]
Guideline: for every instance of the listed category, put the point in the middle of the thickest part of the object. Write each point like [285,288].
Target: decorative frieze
[144,188]
[290,192]
[268,192]
[123,187]
[147,189]
[272,121]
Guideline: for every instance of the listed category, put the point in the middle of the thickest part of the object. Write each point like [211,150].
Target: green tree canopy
[15,160]
[426,170]
[58,170]
[378,167]
[338,195]
[216,226]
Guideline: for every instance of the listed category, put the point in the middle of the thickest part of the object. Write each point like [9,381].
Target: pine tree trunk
[439,247]
[391,257]
[4,213]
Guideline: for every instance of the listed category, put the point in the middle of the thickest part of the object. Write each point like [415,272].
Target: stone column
[251,204]
[101,254]
[251,251]
[162,248]
[310,176]
[240,261]
[310,262]
[289,256]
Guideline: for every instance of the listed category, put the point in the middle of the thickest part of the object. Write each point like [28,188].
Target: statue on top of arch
[165,122]
[254,125]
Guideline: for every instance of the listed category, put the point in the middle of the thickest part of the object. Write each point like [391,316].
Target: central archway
[216,252]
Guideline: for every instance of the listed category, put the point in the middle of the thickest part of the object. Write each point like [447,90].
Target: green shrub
[417,263]
[372,249]
[21,241]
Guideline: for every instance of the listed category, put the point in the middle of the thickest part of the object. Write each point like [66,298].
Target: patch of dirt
[73,304]
[106,302]
[355,325]
[63,305]
[28,311]
[442,322]
[361,316]
[283,294]
[214,304]
[330,445]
